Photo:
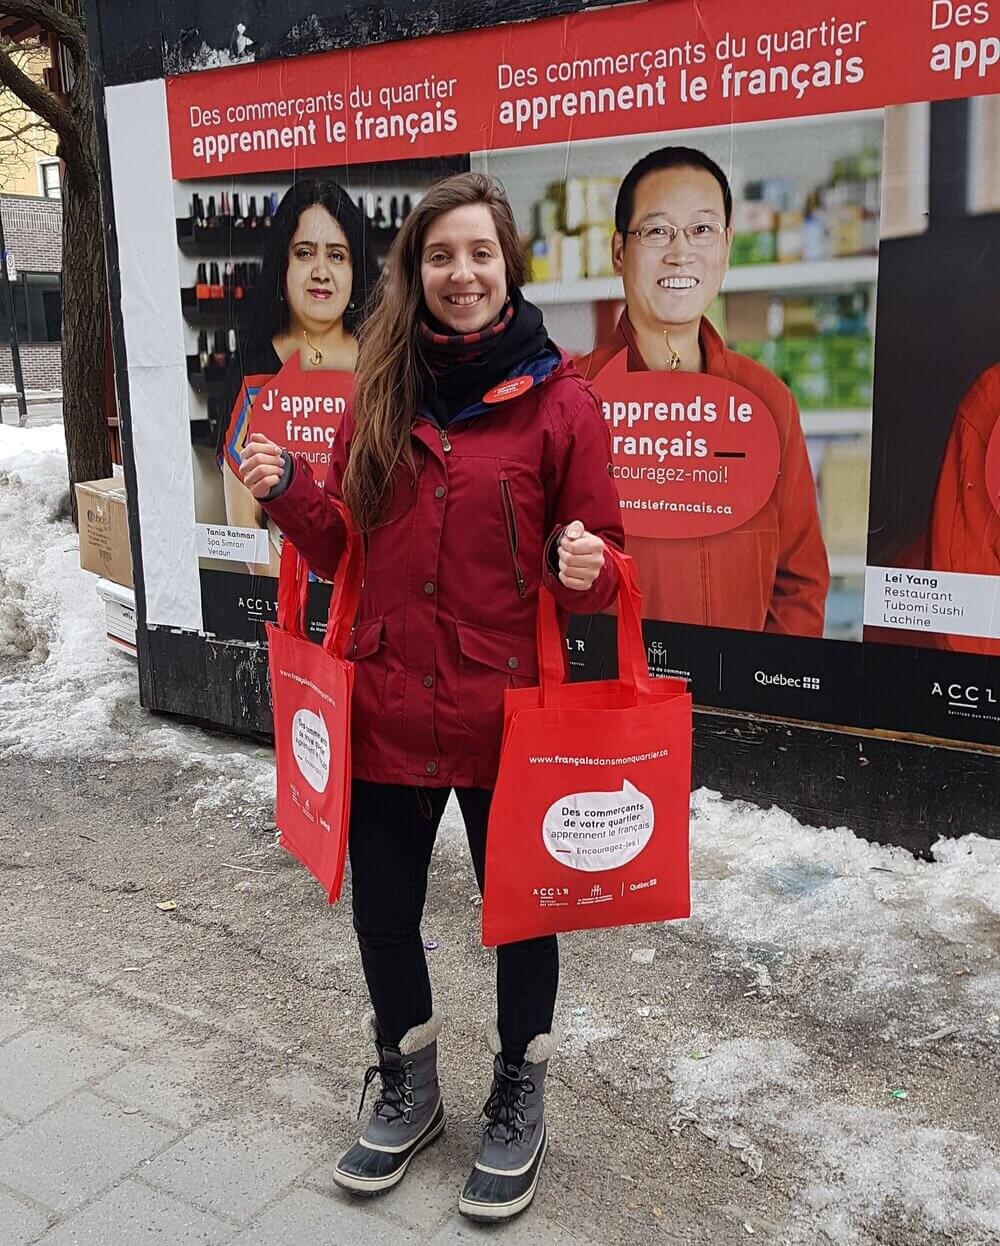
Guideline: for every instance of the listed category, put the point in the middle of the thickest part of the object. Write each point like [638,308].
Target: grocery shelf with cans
[800,275]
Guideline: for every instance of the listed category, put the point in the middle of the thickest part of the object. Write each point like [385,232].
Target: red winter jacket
[447,617]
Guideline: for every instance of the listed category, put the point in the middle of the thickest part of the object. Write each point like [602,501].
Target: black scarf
[464,366]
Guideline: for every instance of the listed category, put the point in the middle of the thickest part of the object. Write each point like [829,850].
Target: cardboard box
[103,516]
[119,614]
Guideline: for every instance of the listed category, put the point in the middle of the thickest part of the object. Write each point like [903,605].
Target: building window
[37,308]
[48,179]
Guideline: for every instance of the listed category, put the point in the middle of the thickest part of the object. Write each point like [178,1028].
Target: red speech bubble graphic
[993,467]
[302,409]
[692,455]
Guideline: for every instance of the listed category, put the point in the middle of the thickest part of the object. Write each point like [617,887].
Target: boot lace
[395,1098]
[504,1109]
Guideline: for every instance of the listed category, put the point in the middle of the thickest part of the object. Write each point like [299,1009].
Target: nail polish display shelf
[226,236]
[213,312]
[206,380]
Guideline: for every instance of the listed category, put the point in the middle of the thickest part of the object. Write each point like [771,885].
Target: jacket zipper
[445,443]
[510,520]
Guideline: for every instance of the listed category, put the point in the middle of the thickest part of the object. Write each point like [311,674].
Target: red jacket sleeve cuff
[291,492]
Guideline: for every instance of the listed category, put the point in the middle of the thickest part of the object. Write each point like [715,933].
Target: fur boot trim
[541,1047]
[415,1039]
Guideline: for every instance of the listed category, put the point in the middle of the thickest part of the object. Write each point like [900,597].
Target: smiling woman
[462,269]
[476,461]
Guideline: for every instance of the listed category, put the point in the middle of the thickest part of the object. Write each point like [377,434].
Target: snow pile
[65,692]
[863,934]
[50,610]
[761,879]
[862,1162]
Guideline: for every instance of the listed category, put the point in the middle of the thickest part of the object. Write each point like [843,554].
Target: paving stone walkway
[109,1136]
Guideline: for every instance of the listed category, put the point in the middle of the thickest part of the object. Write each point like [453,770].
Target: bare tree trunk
[88,449]
[87,446]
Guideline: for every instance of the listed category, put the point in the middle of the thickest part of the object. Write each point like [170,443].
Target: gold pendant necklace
[316,358]
[674,362]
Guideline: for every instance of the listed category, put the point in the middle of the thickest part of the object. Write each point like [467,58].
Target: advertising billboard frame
[902,784]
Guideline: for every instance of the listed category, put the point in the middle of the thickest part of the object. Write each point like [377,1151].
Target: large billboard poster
[810,480]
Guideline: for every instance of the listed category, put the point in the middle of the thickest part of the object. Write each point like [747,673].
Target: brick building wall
[33,227]
[33,231]
[41,366]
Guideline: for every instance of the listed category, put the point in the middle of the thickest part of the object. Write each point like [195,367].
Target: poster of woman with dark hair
[290,377]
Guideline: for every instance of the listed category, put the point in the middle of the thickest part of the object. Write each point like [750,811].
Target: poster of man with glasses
[708,446]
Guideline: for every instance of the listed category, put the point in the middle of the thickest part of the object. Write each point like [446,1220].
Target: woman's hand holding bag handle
[633,670]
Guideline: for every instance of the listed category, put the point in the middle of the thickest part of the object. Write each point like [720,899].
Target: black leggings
[392,834]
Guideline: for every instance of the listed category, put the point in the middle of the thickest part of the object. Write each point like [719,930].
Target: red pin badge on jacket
[507,390]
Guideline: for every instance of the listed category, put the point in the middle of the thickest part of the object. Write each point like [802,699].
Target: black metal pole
[15,348]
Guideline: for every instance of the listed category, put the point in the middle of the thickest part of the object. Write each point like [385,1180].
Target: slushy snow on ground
[75,696]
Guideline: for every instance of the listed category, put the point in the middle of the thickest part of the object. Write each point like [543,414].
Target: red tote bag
[589,821]
[311,686]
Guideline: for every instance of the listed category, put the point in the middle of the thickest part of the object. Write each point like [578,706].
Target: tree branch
[69,29]
[10,132]
[51,110]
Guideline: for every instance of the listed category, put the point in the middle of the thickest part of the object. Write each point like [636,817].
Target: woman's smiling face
[462,269]
[320,275]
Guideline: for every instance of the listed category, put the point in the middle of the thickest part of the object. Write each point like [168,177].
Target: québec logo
[810,683]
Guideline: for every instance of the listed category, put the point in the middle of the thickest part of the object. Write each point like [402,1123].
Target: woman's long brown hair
[391,371]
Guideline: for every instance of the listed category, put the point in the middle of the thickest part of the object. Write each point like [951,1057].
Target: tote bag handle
[293,588]
[633,669]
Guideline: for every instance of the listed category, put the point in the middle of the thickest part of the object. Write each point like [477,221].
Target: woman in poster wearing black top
[315,279]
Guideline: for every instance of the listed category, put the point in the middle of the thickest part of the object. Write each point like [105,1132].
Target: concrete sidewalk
[110,1134]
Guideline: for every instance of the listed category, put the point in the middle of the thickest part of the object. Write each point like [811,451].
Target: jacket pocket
[366,639]
[489,663]
[365,648]
[740,571]
[510,522]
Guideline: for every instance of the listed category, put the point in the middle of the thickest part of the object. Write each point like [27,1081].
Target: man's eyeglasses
[699,234]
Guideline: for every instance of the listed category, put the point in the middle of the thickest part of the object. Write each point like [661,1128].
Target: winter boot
[408,1113]
[514,1143]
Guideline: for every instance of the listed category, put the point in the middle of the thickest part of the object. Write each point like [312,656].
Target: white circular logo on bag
[311,746]
[598,830]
